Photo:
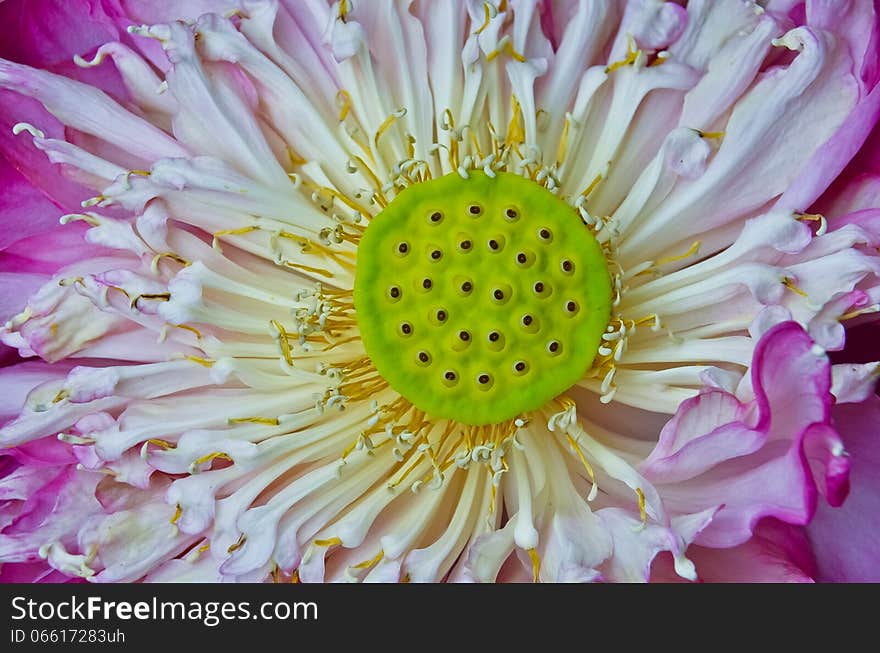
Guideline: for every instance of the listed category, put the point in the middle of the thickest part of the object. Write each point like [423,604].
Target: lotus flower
[575,290]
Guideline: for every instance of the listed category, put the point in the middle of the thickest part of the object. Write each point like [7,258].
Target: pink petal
[847,539]
[777,553]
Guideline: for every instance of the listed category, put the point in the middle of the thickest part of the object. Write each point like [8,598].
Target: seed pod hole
[525,259]
[394,293]
[529,323]
[496,244]
[542,289]
[495,340]
[501,294]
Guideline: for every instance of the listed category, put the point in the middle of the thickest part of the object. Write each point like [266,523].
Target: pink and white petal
[17,381]
[815,89]
[90,111]
[636,545]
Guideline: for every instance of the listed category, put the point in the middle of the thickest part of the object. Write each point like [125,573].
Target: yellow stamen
[294,157]
[487,16]
[372,562]
[643,513]
[333,541]
[212,456]
[536,564]
[516,133]
[308,268]
[862,311]
[204,362]
[692,251]
[386,124]
[343,101]
[589,189]
[269,421]
[789,283]
[172,256]
[163,444]
[632,53]
[283,341]
[189,328]
[563,142]
[574,445]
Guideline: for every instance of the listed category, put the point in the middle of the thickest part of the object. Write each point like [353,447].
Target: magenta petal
[715,452]
[23,209]
[847,539]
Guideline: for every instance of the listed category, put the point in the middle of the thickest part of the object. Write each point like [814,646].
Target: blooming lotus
[527,290]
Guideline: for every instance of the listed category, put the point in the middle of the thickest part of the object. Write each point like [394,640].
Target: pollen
[480,299]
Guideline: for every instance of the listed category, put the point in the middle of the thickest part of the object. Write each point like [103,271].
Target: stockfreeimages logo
[208,613]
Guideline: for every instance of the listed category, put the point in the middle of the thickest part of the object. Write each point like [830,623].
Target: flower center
[480,299]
